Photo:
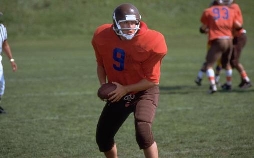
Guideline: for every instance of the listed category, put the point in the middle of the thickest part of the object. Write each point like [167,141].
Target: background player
[239,42]
[219,20]
[4,46]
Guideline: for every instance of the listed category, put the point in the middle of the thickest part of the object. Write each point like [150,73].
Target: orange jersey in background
[238,12]
[220,21]
[132,60]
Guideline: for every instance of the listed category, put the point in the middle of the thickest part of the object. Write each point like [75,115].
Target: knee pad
[144,135]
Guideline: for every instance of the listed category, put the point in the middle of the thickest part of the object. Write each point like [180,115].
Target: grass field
[52,107]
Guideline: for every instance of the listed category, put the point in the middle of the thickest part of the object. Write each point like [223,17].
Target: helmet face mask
[124,13]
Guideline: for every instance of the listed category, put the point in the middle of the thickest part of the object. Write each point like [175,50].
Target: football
[105,89]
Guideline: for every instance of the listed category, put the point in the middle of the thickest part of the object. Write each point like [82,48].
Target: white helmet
[225,2]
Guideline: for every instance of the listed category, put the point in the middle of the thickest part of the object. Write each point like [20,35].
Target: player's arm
[237,24]
[203,29]
[204,22]
[140,86]
[101,74]
[7,51]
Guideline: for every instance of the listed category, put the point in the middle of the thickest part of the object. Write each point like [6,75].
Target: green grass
[51,100]
[53,109]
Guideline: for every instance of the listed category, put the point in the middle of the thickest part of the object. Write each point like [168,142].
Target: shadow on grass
[238,90]
[188,89]
[180,89]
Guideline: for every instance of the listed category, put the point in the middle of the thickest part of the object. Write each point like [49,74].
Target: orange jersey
[220,21]
[238,12]
[129,61]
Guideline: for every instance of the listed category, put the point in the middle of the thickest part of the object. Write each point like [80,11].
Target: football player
[5,47]
[239,42]
[219,21]
[128,54]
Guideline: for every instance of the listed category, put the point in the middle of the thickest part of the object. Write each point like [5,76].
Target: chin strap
[128,37]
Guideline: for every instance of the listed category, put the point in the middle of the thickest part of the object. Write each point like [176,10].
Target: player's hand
[118,93]
[14,66]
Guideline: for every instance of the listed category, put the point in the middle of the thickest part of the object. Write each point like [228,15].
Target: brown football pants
[220,48]
[113,115]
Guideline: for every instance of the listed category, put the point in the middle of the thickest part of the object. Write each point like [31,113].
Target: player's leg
[144,114]
[239,44]
[2,87]
[225,61]
[202,70]
[213,54]
[112,153]
[152,151]
[111,119]
[199,78]
[245,81]
[217,72]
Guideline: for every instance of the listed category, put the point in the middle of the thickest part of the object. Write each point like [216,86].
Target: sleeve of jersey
[239,15]
[152,65]
[238,20]
[238,12]
[3,32]
[203,19]
[98,57]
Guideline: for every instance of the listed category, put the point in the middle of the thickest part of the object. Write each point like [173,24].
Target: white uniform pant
[2,81]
